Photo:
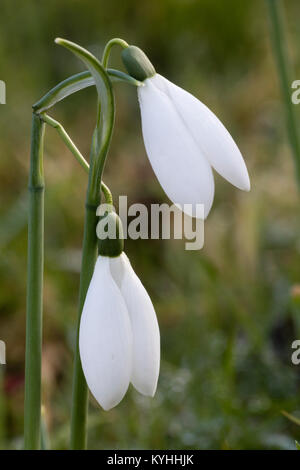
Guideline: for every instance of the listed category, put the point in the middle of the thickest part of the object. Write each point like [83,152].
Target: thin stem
[108,47]
[32,416]
[67,140]
[284,73]
[80,390]
[107,194]
[77,154]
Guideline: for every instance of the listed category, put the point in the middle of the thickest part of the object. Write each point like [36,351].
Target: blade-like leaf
[105,120]
[76,83]
[104,89]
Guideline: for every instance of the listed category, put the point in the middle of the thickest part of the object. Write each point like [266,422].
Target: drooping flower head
[119,339]
[184,140]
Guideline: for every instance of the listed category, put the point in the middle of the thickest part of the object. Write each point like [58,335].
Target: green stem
[77,154]
[80,390]
[32,412]
[108,47]
[67,140]
[284,73]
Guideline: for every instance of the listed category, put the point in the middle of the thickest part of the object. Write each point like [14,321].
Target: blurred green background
[228,313]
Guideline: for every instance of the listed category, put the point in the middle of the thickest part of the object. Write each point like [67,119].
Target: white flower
[119,339]
[184,140]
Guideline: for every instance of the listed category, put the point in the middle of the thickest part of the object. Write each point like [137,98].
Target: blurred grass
[229,313]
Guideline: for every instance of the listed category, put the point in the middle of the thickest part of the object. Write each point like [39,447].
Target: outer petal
[105,338]
[181,169]
[212,138]
[145,330]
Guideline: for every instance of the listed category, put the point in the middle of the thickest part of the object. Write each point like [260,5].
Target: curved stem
[108,47]
[67,140]
[32,411]
[107,194]
[77,154]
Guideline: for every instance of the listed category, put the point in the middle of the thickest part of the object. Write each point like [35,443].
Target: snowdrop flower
[119,338]
[184,140]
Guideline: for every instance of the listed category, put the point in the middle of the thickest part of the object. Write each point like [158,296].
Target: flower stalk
[107,50]
[32,412]
[80,391]
[74,150]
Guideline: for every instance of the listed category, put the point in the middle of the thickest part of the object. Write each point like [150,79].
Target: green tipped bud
[137,63]
[110,233]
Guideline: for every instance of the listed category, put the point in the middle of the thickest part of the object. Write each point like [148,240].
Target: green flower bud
[110,234]
[137,63]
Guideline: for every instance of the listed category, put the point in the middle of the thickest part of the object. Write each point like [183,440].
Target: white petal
[145,330]
[212,138]
[181,169]
[105,338]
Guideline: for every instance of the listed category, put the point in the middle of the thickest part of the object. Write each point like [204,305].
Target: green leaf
[76,83]
[105,117]
[297,445]
[104,88]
